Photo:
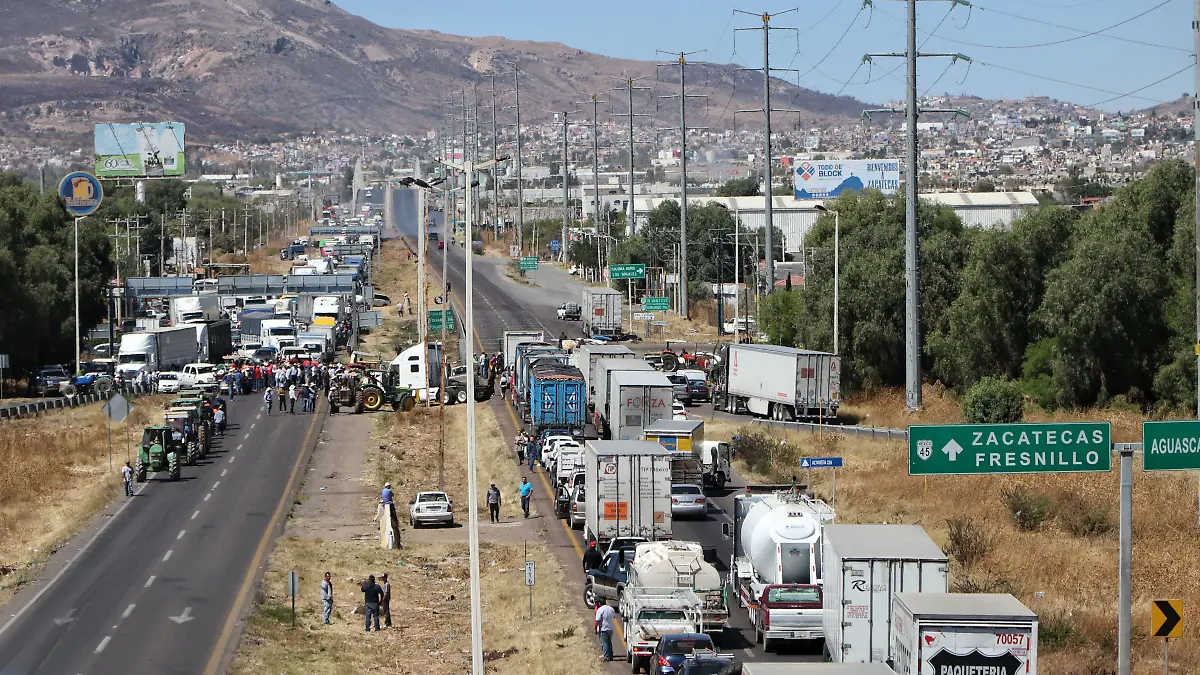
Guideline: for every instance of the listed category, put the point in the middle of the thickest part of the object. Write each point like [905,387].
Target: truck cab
[652,613]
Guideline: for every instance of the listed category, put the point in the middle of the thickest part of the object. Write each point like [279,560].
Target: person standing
[385,605]
[219,418]
[268,396]
[327,596]
[604,628]
[372,593]
[291,396]
[521,444]
[592,558]
[526,493]
[283,392]
[127,479]
[493,502]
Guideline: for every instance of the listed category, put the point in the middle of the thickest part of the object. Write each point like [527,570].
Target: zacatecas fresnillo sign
[1009,448]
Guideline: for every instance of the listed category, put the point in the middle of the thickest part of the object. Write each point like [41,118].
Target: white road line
[207,496]
[167,556]
[103,644]
[216,484]
[224,471]
[127,612]
[239,447]
[258,416]
[231,458]
[195,514]
[252,426]
[149,581]
[180,535]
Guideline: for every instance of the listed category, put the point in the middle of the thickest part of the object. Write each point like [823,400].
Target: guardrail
[14,411]
[874,433]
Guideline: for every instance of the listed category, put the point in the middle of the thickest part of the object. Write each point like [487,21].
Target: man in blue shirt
[526,493]
[386,496]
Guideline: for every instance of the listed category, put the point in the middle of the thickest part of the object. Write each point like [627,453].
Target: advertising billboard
[139,150]
[828,179]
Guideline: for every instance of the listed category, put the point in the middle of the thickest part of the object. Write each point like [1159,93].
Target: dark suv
[50,380]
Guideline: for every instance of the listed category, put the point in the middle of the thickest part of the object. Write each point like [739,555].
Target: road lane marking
[216,484]
[103,644]
[231,458]
[127,612]
[257,417]
[181,533]
[252,425]
[167,556]
[195,514]
[224,471]
[207,496]
[149,581]
[239,447]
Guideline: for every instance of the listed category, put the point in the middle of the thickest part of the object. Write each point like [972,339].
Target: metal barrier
[15,411]
[325,231]
[874,433]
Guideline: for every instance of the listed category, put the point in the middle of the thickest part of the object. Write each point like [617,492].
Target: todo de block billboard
[829,179]
[138,150]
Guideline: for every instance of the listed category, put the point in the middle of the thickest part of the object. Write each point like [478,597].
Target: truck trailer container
[601,311]
[865,566]
[525,352]
[195,308]
[604,369]
[636,399]
[778,382]
[628,490]
[557,398]
[157,349]
[513,338]
[584,357]
[951,633]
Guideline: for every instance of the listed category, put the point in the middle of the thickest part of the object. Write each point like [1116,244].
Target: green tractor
[160,451]
[182,422]
[380,388]
[203,422]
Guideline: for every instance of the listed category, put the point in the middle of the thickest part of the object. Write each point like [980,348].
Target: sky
[1089,52]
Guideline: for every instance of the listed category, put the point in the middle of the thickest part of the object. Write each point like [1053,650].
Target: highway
[502,304]
[158,585]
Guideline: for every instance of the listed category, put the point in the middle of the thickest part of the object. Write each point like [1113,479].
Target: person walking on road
[268,397]
[327,596]
[127,479]
[282,398]
[526,493]
[292,399]
[493,502]
[592,557]
[385,605]
[604,628]
[219,419]
[372,594]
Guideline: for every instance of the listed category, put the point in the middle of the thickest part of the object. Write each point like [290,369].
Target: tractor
[160,451]
[400,398]
[182,422]
[369,392]
[202,412]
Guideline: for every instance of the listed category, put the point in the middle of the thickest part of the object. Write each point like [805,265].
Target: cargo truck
[963,633]
[156,349]
[557,398]
[601,311]
[195,308]
[215,340]
[781,383]
[687,436]
[585,357]
[603,371]
[513,338]
[864,567]
[635,399]
[628,490]
[680,564]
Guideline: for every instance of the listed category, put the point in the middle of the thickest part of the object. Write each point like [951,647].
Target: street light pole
[78,356]
[836,253]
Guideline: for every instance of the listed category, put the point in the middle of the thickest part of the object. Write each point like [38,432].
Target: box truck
[604,369]
[513,338]
[157,349]
[963,633]
[195,308]
[601,311]
[778,382]
[865,566]
[628,490]
[636,399]
[585,358]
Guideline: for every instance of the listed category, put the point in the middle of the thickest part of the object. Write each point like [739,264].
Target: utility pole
[520,185]
[1196,133]
[495,171]
[630,228]
[912,299]
[595,101]
[681,61]
[566,185]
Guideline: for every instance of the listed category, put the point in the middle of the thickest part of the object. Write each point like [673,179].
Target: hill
[244,68]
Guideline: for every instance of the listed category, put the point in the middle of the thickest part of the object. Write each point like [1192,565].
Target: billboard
[828,179]
[137,150]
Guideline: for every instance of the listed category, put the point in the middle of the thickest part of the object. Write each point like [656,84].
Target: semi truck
[513,338]
[628,490]
[156,349]
[963,633]
[603,371]
[214,340]
[635,399]
[687,436]
[865,566]
[781,383]
[601,311]
[557,398]
[585,357]
[201,308]
[680,564]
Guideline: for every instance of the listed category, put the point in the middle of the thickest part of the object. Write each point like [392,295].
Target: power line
[1130,94]
[1070,84]
[1085,33]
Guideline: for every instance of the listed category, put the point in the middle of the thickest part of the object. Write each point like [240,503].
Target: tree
[740,187]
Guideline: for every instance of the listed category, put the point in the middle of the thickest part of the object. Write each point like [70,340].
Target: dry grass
[56,479]
[1068,577]
[394,275]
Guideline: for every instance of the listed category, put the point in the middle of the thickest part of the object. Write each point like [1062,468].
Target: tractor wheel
[372,399]
[204,441]
[193,453]
[359,403]
[670,362]
[406,402]
[173,466]
[139,471]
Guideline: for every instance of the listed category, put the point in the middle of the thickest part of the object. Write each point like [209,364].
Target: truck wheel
[721,481]
[173,466]
[193,453]
[670,363]
[461,396]
[589,596]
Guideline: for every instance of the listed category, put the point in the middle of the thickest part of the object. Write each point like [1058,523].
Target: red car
[441,245]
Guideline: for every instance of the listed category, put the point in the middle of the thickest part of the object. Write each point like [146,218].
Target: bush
[1056,630]
[766,454]
[1085,519]
[1030,510]
[984,584]
[967,541]
[993,401]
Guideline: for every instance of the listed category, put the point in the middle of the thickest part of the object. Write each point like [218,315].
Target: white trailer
[203,308]
[513,338]
[601,311]
[585,358]
[635,400]
[157,349]
[963,633]
[865,566]
[628,490]
[777,382]
[602,376]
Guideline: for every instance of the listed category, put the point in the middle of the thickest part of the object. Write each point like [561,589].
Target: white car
[203,375]
[430,508]
[678,411]
[168,383]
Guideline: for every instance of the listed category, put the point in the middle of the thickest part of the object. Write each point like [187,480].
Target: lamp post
[836,232]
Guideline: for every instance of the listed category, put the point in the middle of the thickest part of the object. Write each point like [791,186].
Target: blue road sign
[554,245]
[821,463]
[81,193]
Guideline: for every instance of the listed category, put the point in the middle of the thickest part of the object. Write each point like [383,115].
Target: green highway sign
[435,319]
[655,304]
[1171,446]
[637,271]
[1009,448]
[529,262]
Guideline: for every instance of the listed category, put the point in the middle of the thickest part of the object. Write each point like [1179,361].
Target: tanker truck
[776,571]
[680,564]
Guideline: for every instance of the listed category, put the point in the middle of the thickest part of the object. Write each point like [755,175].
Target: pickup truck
[651,613]
[606,583]
[570,311]
[787,612]
[50,380]
[202,375]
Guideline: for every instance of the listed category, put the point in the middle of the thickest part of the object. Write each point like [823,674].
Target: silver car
[688,500]
[577,506]
[430,508]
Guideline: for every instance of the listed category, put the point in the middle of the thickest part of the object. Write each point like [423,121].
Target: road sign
[1171,446]
[1009,448]
[293,583]
[554,245]
[660,323]
[637,271]
[529,262]
[117,408]
[821,463]
[656,304]
[436,318]
[529,576]
[514,252]
[1166,618]
[81,193]
[643,316]
[3,361]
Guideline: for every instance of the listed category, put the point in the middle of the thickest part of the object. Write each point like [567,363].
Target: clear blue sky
[836,33]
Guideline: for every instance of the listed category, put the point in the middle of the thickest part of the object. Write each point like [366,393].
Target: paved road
[502,304]
[154,591]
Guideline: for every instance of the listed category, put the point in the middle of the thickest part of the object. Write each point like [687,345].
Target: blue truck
[557,397]
[526,353]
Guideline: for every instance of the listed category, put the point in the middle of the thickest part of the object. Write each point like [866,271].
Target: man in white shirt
[127,479]
[604,628]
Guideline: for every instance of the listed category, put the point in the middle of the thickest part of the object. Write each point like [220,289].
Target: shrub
[1083,518]
[1030,510]
[993,401]
[968,542]
[984,584]
[1057,630]
[766,454]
